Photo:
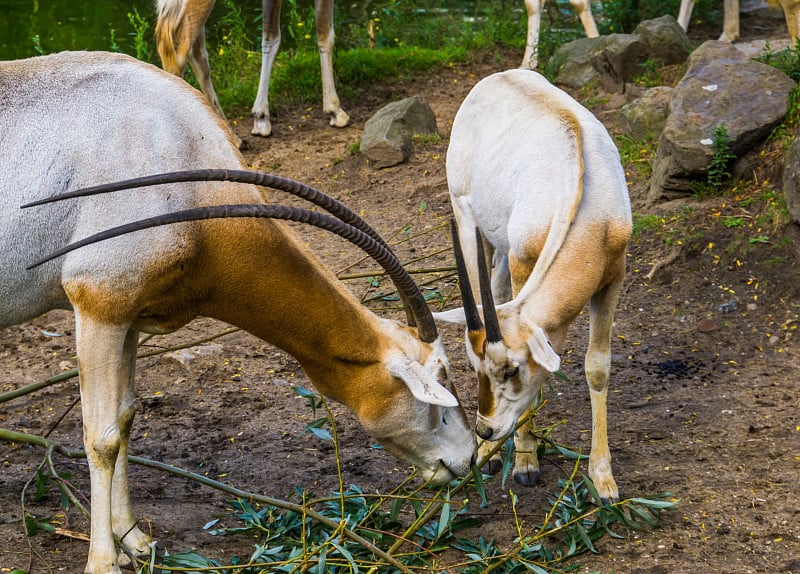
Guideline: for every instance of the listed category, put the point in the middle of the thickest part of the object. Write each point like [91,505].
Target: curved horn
[471,313]
[315,196]
[493,334]
[385,258]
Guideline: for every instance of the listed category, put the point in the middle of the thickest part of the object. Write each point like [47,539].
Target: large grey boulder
[387,137]
[721,87]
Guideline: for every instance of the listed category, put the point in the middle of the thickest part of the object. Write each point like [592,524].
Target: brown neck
[260,278]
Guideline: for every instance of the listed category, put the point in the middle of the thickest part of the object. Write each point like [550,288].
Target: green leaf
[560,375]
[323,434]
[653,503]
[480,487]
[347,555]
[444,519]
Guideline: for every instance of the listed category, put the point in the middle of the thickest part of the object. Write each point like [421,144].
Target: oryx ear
[422,384]
[542,351]
[455,316]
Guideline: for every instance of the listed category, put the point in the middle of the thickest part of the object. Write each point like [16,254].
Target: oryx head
[510,354]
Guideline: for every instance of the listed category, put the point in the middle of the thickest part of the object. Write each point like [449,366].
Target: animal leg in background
[534,8]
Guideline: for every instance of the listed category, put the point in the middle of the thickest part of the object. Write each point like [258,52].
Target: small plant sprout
[717,172]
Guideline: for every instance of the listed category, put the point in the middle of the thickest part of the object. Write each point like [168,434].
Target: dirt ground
[704,395]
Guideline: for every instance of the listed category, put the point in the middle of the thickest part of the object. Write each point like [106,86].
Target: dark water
[27,26]
[31,27]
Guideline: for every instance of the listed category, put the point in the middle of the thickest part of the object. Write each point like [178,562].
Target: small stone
[707,326]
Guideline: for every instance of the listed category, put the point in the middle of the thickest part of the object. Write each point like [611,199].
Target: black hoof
[492,467]
[526,478]
[606,501]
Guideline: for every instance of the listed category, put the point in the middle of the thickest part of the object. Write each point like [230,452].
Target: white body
[534,8]
[180,37]
[730,25]
[108,118]
[541,178]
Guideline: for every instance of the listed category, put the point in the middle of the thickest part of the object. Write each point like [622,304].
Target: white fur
[541,178]
[74,120]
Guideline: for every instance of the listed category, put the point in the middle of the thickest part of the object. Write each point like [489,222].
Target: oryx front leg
[598,369]
[106,354]
[526,461]
[123,521]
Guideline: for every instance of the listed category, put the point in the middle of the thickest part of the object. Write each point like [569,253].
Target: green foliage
[139,36]
[717,172]
[651,74]
[290,540]
[730,221]
[642,223]
[787,61]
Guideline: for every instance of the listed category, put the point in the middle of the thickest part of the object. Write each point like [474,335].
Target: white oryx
[181,37]
[543,184]
[534,7]
[109,117]
[730,26]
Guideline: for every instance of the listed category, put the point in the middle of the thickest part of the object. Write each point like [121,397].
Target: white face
[509,373]
[423,424]
[437,440]
[506,388]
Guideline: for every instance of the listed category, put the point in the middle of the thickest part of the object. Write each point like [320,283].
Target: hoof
[608,500]
[339,119]
[528,478]
[261,126]
[492,467]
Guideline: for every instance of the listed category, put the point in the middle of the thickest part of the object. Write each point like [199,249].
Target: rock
[721,87]
[647,114]
[707,326]
[791,180]
[612,59]
[387,137]
[666,41]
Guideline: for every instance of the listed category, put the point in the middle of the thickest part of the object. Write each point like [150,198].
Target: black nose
[484,431]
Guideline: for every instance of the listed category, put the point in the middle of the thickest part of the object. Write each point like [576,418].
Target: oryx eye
[510,372]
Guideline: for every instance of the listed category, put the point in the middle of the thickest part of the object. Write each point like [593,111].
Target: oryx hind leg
[331,105]
[598,369]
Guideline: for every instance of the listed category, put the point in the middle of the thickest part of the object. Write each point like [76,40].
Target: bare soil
[704,395]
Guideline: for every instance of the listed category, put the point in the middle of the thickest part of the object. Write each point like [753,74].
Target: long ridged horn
[493,334]
[471,313]
[315,196]
[385,258]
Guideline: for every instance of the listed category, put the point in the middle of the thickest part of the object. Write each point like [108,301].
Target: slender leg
[584,10]
[198,60]
[103,375]
[531,57]
[791,9]
[685,14]
[730,26]
[122,517]
[325,35]
[598,370]
[526,462]
[270,43]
